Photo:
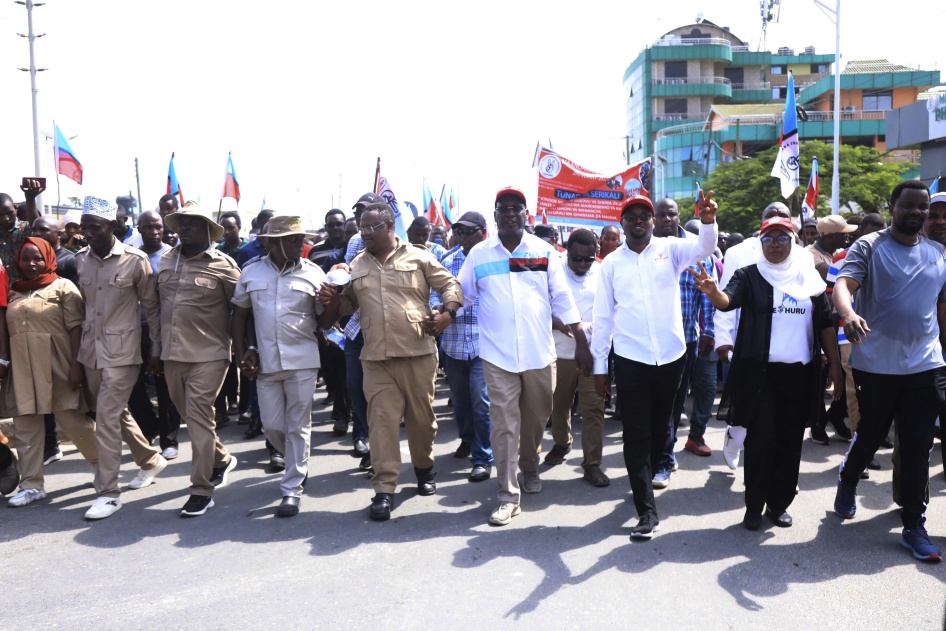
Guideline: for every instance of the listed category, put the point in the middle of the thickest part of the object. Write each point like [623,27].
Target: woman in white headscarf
[774,384]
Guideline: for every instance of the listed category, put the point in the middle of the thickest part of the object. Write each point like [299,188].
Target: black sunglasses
[581,259]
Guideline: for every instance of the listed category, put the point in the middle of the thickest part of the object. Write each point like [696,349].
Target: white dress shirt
[638,299]
[519,293]
[583,291]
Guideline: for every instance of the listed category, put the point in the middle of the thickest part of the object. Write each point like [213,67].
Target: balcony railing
[762,119]
[764,85]
[681,117]
[691,41]
[692,81]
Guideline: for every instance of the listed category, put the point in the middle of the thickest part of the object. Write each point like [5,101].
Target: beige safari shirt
[113,288]
[394,300]
[285,312]
[195,305]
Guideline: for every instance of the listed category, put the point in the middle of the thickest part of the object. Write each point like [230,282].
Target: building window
[736,76]
[675,70]
[819,68]
[878,101]
[675,106]
[778,70]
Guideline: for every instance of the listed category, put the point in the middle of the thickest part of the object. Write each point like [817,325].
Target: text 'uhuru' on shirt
[638,299]
[113,287]
[195,305]
[900,286]
[519,293]
[393,300]
[285,308]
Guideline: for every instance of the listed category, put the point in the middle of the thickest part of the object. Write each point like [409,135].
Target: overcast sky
[308,94]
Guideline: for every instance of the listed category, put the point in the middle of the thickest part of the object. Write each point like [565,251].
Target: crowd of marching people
[113,334]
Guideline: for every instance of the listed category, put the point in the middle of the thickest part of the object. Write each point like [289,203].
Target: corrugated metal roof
[868,66]
[736,111]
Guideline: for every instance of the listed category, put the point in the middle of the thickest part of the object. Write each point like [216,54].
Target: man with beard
[897,358]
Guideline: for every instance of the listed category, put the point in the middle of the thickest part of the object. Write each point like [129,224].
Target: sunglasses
[518,208]
[465,232]
[632,218]
[581,259]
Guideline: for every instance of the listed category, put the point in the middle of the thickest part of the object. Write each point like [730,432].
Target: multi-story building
[698,96]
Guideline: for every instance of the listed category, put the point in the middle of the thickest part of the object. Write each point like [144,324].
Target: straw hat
[284,226]
[193,209]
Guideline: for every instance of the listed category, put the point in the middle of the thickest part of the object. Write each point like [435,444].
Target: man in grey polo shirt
[897,358]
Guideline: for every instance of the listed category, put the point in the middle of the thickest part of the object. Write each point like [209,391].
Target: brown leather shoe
[556,455]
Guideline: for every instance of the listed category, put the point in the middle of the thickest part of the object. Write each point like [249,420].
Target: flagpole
[141,206]
[56,166]
[835,179]
[377,175]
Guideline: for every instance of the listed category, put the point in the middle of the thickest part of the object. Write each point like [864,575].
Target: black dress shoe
[340,428]
[780,519]
[255,429]
[425,481]
[873,465]
[360,447]
[381,505]
[752,521]
[480,473]
[289,507]
[463,451]
[365,464]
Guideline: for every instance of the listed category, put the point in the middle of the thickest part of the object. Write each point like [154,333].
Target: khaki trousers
[567,380]
[850,391]
[400,387]
[285,406]
[30,435]
[111,388]
[193,388]
[519,406]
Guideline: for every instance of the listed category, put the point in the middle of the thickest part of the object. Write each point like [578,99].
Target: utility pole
[835,180]
[31,37]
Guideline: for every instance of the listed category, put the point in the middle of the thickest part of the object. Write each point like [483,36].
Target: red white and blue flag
[174,187]
[432,209]
[809,207]
[66,161]
[786,164]
[231,186]
[382,187]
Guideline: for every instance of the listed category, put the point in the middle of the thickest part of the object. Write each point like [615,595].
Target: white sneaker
[103,507]
[26,496]
[732,445]
[170,453]
[504,514]
[146,478]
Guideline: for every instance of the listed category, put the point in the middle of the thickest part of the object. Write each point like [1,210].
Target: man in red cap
[521,285]
[638,306]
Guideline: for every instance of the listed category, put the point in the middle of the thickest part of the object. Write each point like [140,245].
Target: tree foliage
[744,187]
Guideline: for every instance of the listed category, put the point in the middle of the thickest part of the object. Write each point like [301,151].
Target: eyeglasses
[581,259]
[464,232]
[370,229]
[781,240]
[335,224]
[632,218]
[518,208]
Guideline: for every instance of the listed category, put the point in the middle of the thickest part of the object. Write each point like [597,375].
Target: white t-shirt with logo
[792,329]
[583,291]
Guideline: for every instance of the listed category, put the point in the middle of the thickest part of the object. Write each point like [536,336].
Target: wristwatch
[5,363]
[452,312]
[253,348]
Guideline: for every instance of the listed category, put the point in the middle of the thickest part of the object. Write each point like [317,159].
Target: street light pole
[31,37]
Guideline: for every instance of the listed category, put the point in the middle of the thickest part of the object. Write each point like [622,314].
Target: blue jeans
[704,393]
[679,401]
[355,378]
[471,406]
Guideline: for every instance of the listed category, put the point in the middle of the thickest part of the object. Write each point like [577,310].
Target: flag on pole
[263,207]
[934,187]
[383,188]
[66,162]
[432,209]
[809,206]
[174,187]
[231,186]
[450,210]
[786,164]
[446,208]
[696,200]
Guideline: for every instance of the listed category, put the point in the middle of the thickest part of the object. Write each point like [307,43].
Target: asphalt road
[565,563]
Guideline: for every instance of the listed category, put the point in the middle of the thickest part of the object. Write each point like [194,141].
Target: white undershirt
[792,330]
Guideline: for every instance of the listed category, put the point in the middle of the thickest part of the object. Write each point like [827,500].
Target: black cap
[369,198]
[472,219]
[544,231]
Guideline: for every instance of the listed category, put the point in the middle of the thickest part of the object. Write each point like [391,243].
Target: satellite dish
[699,17]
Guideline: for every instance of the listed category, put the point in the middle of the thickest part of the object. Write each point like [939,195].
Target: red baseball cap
[637,200]
[777,222]
[511,190]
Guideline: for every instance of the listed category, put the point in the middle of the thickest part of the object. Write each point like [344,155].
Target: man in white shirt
[521,285]
[581,272]
[637,305]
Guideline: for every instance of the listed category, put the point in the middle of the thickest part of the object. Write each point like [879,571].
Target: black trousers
[333,371]
[774,439]
[167,422]
[647,394]
[231,386]
[915,401]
